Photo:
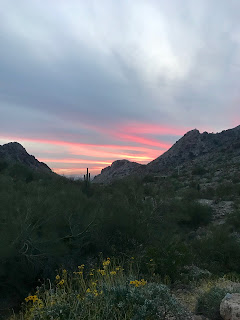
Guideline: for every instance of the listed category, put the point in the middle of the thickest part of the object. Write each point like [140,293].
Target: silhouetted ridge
[14,152]
[194,148]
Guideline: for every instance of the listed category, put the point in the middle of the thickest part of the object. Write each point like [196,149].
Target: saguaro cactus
[87,177]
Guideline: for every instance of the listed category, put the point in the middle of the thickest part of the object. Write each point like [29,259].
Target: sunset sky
[84,82]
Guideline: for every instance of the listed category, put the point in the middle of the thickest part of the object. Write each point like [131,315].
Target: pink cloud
[97,156]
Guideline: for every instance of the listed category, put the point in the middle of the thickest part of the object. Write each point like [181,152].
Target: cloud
[116,74]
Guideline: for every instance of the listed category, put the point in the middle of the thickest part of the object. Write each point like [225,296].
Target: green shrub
[194,215]
[208,304]
[3,165]
[105,293]
[199,170]
[218,251]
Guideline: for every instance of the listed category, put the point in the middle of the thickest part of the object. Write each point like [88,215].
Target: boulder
[230,307]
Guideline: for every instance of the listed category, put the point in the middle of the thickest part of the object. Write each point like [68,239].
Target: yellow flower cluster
[81,267]
[102,272]
[113,273]
[94,292]
[138,283]
[31,298]
[61,283]
[106,262]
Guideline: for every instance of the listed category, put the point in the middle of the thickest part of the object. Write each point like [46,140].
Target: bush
[199,170]
[208,304]
[194,215]
[105,293]
[219,251]
[3,165]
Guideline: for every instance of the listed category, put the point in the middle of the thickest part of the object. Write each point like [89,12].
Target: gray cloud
[77,70]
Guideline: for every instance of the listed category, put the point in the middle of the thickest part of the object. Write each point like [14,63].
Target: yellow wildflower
[113,273]
[81,266]
[58,277]
[95,292]
[103,273]
[88,290]
[61,282]
[106,263]
[138,283]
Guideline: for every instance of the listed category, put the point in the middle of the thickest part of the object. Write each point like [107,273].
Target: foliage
[107,292]
[208,303]
[47,221]
[219,251]
[199,170]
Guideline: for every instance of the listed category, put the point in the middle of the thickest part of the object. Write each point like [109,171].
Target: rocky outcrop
[194,148]
[14,152]
[220,209]
[118,170]
[230,307]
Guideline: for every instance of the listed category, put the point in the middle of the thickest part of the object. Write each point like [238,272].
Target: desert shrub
[3,165]
[170,255]
[234,220]
[208,304]
[194,215]
[199,170]
[105,293]
[149,178]
[19,171]
[225,191]
[218,251]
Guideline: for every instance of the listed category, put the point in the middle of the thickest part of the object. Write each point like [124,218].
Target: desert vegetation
[51,223]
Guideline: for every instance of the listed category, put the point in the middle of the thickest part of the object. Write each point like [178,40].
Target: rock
[230,307]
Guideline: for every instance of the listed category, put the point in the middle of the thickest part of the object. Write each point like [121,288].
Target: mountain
[14,152]
[193,149]
[198,148]
[119,169]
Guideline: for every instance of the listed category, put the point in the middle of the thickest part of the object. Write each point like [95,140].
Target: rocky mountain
[194,148]
[199,148]
[118,170]
[14,152]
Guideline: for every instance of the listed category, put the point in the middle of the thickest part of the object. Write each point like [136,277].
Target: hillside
[15,153]
[182,229]
[119,169]
[193,149]
[199,148]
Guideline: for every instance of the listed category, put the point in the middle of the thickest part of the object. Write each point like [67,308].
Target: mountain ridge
[193,148]
[14,152]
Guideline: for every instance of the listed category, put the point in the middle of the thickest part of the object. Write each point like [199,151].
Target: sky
[87,82]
